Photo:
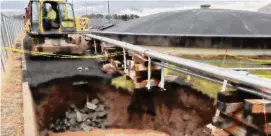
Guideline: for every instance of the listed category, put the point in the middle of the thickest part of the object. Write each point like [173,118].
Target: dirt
[11,97]
[113,132]
[177,111]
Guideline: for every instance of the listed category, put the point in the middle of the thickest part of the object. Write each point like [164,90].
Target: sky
[139,7]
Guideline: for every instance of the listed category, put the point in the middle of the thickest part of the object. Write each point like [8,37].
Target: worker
[49,20]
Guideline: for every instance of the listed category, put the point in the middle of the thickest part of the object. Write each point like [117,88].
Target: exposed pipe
[205,69]
[251,91]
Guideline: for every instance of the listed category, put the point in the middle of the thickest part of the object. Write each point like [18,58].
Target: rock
[186,117]
[78,116]
[98,121]
[84,116]
[93,124]
[57,128]
[100,107]
[88,121]
[87,128]
[94,116]
[82,125]
[72,121]
[102,114]
[104,125]
[85,110]
[95,101]
[70,114]
[78,128]
[65,121]
[72,129]
[91,106]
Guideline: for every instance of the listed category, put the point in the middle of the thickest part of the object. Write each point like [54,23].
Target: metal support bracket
[162,81]
[95,47]
[125,61]
[149,74]
[223,89]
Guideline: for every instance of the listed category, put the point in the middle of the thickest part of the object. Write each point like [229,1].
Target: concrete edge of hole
[30,125]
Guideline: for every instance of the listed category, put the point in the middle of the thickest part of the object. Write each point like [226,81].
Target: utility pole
[108,10]
[86,7]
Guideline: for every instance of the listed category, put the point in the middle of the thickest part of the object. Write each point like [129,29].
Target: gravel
[92,115]
[12,121]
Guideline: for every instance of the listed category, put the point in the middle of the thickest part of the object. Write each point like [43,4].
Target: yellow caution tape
[49,54]
[249,59]
[228,54]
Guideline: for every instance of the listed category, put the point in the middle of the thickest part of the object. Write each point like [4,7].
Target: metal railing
[11,26]
[253,85]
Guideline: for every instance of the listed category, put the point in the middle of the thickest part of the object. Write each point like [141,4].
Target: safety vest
[51,15]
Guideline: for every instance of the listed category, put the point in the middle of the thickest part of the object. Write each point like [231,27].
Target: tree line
[124,17]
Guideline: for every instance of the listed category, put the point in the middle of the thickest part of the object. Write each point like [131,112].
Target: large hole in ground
[177,111]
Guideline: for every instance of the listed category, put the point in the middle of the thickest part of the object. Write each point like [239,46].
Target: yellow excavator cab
[49,23]
[50,17]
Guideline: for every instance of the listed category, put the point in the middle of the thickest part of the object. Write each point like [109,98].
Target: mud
[177,111]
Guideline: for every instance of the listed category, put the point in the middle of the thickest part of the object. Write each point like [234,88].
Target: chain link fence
[11,26]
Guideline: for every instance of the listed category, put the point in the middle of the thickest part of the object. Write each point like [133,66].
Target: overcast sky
[141,8]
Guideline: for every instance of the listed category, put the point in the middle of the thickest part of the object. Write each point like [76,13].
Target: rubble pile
[92,115]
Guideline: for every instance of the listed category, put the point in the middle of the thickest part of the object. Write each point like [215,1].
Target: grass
[124,83]
[206,87]
[212,89]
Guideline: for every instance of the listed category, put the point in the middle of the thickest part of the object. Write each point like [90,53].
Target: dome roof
[199,22]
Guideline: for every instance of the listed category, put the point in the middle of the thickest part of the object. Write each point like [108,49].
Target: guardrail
[253,85]
[11,26]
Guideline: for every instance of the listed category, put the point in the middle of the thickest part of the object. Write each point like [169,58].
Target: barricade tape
[230,55]
[249,59]
[64,56]
[48,54]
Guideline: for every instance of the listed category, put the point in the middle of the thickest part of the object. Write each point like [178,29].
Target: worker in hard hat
[49,20]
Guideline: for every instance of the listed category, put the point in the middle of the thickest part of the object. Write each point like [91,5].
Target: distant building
[204,27]
[265,9]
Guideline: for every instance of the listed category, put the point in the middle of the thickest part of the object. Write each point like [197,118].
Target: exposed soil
[113,132]
[177,111]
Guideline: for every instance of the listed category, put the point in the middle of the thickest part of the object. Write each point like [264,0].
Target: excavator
[50,27]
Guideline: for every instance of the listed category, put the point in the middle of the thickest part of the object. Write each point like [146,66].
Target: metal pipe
[257,93]
[205,69]
[251,91]
[190,73]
